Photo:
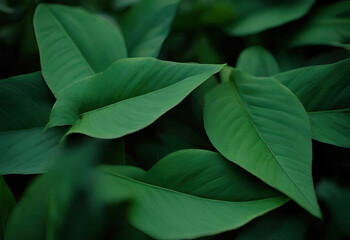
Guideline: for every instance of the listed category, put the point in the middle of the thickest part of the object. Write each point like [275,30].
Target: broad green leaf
[60,204]
[275,227]
[146,25]
[139,91]
[257,61]
[188,194]
[25,104]
[324,92]
[336,199]
[258,15]
[74,44]
[328,26]
[260,125]
[7,203]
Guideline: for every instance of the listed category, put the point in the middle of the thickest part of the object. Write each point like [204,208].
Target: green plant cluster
[169,119]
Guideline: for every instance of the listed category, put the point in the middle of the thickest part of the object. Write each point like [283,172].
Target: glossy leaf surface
[74,44]
[324,92]
[260,125]
[188,194]
[139,91]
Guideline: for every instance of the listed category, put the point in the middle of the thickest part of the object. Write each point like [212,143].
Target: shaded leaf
[146,25]
[260,125]
[259,15]
[188,194]
[139,91]
[257,61]
[74,44]
[62,200]
[329,26]
[7,203]
[25,104]
[324,92]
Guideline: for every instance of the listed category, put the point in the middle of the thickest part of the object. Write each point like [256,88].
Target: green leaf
[60,204]
[328,26]
[146,25]
[188,194]
[336,199]
[7,203]
[275,227]
[259,15]
[260,125]
[74,44]
[25,104]
[257,61]
[139,91]
[324,92]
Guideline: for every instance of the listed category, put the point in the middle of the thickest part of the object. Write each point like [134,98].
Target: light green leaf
[139,91]
[146,25]
[188,194]
[257,61]
[329,26]
[25,104]
[324,92]
[259,15]
[60,204]
[260,125]
[74,44]
[7,203]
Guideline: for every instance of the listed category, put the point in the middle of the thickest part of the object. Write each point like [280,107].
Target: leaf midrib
[70,40]
[266,145]
[185,194]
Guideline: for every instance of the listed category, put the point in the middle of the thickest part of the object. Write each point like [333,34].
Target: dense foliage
[169,119]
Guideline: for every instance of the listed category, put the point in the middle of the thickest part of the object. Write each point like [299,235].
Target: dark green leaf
[324,92]
[188,194]
[139,91]
[7,203]
[74,44]
[258,15]
[146,25]
[260,125]
[257,61]
[25,104]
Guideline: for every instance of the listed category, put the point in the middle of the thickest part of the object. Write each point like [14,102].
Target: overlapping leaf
[7,203]
[74,44]
[146,25]
[260,125]
[188,194]
[127,97]
[258,15]
[324,92]
[61,204]
[25,104]
[329,26]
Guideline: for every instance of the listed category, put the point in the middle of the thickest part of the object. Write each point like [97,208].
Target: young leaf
[74,44]
[7,203]
[25,104]
[188,194]
[259,15]
[146,25]
[257,61]
[329,26]
[260,125]
[324,92]
[139,91]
